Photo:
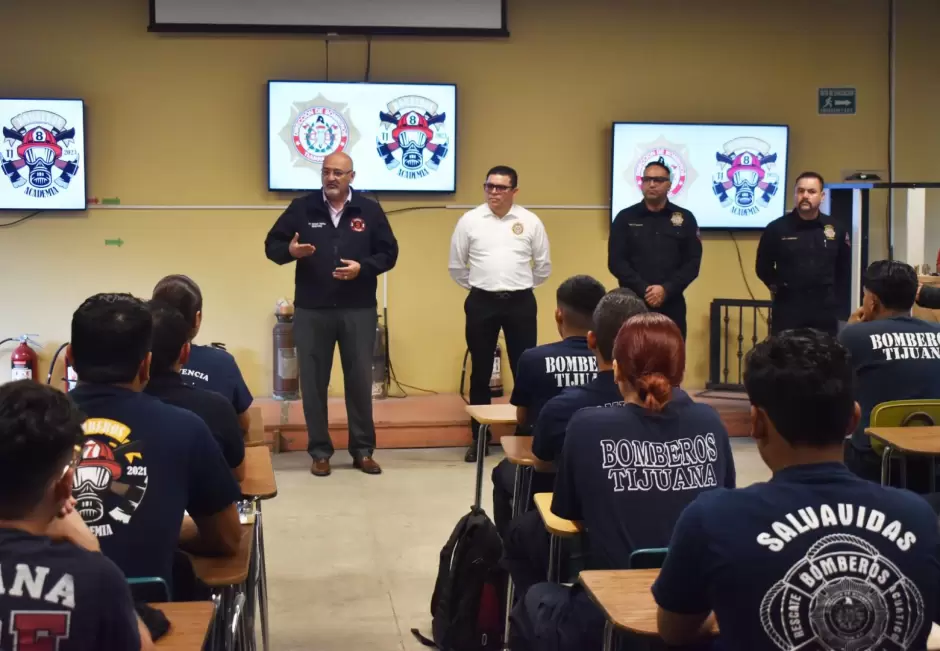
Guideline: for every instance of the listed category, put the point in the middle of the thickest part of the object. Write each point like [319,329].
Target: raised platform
[433,421]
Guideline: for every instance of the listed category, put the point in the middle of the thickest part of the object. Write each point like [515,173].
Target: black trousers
[675,309]
[793,313]
[316,333]
[487,313]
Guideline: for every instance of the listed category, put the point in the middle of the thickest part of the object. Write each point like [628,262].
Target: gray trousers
[316,333]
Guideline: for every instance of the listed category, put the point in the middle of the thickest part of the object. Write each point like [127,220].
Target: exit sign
[837,101]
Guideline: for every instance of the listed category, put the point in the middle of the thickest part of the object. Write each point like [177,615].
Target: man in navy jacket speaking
[341,242]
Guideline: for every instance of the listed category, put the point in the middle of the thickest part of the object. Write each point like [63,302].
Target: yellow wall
[179,120]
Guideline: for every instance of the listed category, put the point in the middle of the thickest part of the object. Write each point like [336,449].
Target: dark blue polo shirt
[56,595]
[143,464]
[627,473]
[816,558]
[894,359]
[543,371]
[215,369]
[549,432]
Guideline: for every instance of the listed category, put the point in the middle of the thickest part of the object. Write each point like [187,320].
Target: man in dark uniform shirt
[56,590]
[815,558]
[805,259]
[170,352]
[655,248]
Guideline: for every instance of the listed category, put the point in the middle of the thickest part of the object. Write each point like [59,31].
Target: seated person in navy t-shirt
[56,591]
[895,356]
[208,367]
[615,309]
[143,462]
[626,473]
[815,558]
[170,351]
[544,371]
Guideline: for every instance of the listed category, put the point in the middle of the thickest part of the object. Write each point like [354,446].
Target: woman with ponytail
[626,473]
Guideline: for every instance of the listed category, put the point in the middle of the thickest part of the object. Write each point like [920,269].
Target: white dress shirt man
[499,251]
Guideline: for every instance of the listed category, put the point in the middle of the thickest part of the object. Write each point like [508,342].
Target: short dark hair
[894,283]
[505,170]
[181,292]
[810,175]
[805,382]
[170,334]
[577,297]
[659,162]
[39,429]
[615,309]
[111,336]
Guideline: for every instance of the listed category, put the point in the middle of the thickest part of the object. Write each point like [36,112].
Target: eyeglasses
[496,189]
[327,173]
[74,461]
[655,179]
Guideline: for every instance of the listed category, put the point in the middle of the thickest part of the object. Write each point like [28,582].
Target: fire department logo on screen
[39,155]
[746,180]
[412,139]
[674,155]
[317,129]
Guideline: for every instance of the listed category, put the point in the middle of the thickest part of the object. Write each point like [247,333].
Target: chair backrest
[903,413]
[255,433]
[647,559]
[149,589]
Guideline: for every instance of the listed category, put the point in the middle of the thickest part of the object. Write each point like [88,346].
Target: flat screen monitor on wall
[42,154]
[401,137]
[731,176]
[444,17]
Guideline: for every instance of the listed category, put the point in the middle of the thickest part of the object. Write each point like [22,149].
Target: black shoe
[471,455]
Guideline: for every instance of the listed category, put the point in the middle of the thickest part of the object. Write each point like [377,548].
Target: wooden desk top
[518,450]
[625,597]
[259,478]
[222,571]
[189,624]
[501,414]
[553,524]
[916,440]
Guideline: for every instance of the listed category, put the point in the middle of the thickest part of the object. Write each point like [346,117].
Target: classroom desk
[259,484]
[626,599]
[189,625]
[487,415]
[907,440]
[559,528]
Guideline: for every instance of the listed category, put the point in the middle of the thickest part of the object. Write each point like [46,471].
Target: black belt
[501,295]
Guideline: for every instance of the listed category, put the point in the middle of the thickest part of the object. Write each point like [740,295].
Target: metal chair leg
[262,582]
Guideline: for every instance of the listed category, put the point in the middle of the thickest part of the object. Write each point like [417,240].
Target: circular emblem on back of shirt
[517,228]
[843,595]
[318,132]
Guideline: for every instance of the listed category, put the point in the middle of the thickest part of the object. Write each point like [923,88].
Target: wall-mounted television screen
[401,137]
[731,176]
[42,154]
[447,17]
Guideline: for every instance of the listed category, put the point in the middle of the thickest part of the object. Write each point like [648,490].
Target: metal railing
[731,321]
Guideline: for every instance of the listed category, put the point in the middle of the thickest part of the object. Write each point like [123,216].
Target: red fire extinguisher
[24,362]
[496,377]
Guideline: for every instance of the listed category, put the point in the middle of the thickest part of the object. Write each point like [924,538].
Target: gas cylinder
[24,361]
[379,364]
[286,383]
[496,377]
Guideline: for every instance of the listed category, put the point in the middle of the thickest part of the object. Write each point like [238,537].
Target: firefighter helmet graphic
[412,137]
[110,480]
[675,156]
[745,179]
[39,154]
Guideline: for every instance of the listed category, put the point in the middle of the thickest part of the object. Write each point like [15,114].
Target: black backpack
[468,604]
